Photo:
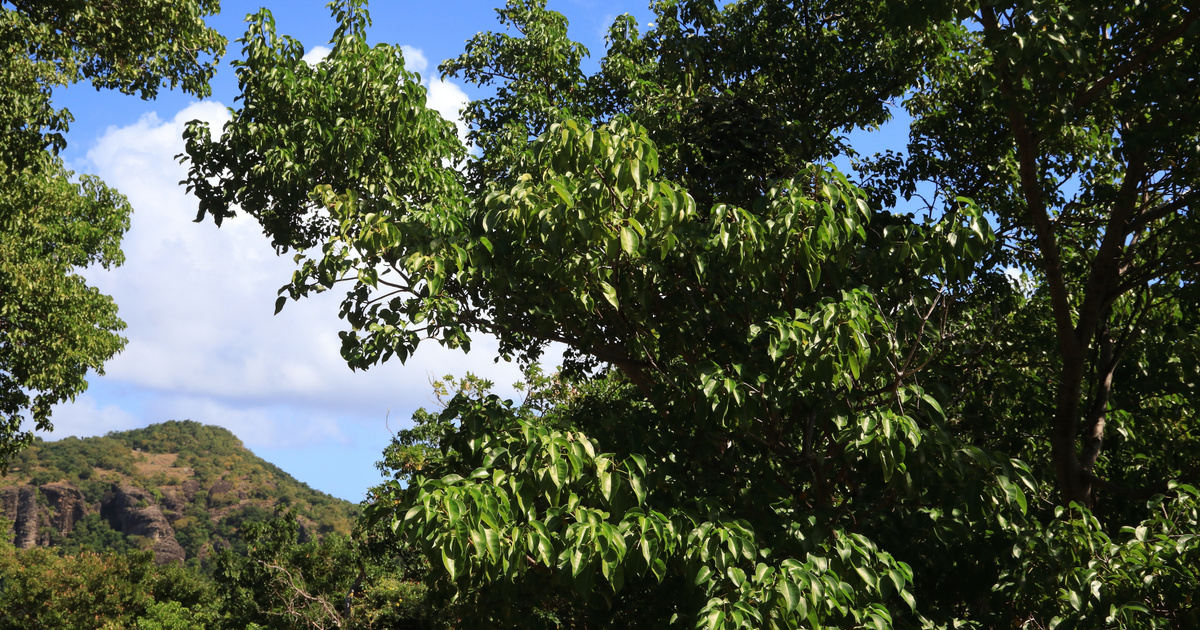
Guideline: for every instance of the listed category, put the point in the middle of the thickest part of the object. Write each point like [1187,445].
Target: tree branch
[1131,64]
[1031,190]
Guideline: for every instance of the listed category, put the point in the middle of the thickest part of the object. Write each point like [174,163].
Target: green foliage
[412,449]
[43,589]
[230,531]
[214,454]
[1146,576]
[194,532]
[275,582]
[391,602]
[281,582]
[782,405]
[93,534]
[531,522]
[75,459]
[171,615]
[1088,161]
[53,327]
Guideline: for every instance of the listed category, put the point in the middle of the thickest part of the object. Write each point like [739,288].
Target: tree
[41,589]
[1083,143]
[784,404]
[53,327]
[280,582]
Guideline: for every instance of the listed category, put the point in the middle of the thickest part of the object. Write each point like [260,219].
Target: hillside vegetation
[201,479]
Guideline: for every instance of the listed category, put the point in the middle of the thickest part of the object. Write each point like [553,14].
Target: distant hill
[180,488]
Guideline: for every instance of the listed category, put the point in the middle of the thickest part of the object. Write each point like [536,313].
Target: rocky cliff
[37,513]
[133,512]
[21,510]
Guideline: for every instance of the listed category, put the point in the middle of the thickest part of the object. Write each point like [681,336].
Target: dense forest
[952,385]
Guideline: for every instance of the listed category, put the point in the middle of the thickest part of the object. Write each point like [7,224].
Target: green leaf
[639,491]
[791,594]
[610,294]
[561,191]
[702,575]
[450,564]
[629,240]
[454,509]
[606,484]
[494,544]
[737,576]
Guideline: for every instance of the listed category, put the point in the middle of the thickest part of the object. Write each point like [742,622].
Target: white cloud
[414,59]
[199,300]
[314,56]
[448,100]
[275,426]
[87,417]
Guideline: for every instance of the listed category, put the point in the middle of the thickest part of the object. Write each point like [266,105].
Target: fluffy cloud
[203,343]
[314,56]
[448,100]
[414,60]
[87,416]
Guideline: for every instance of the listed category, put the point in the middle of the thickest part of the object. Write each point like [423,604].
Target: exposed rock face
[63,507]
[131,510]
[26,523]
[172,502]
[198,479]
[189,487]
[222,493]
[20,507]
[134,512]
[67,507]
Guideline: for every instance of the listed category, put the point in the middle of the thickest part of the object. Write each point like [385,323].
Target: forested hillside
[181,488]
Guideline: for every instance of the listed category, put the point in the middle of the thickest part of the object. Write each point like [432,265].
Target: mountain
[180,488]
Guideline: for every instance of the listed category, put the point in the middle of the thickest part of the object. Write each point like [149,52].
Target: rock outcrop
[134,512]
[67,507]
[189,488]
[128,509]
[21,509]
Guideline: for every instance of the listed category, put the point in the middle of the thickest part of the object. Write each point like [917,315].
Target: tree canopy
[53,326]
[792,396]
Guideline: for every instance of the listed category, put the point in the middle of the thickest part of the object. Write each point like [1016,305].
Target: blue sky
[203,344]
